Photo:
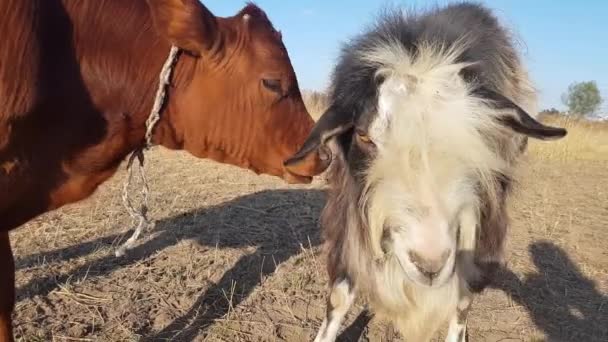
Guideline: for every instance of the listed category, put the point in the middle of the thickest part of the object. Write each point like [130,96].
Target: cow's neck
[122,57]
[99,64]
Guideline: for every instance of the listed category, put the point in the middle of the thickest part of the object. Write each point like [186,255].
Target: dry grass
[586,140]
[316,103]
[236,257]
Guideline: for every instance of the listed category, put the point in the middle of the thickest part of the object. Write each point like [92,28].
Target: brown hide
[78,79]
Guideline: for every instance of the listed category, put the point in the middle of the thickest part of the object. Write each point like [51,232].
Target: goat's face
[417,161]
[417,146]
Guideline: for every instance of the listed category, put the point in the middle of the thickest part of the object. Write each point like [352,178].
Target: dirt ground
[236,257]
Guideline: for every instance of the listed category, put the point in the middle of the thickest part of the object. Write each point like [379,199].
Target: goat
[428,116]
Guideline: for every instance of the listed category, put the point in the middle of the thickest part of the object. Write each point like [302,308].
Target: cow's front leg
[7,288]
[341,298]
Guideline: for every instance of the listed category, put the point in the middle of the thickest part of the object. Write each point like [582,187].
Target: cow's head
[241,103]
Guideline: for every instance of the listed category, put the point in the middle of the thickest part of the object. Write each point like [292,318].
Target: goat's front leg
[468,271]
[457,330]
[341,298]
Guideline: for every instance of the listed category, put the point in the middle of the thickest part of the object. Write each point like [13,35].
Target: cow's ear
[332,123]
[187,24]
[520,121]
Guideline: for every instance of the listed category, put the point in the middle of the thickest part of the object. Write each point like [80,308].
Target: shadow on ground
[562,302]
[279,223]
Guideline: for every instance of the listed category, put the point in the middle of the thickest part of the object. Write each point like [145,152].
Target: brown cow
[78,80]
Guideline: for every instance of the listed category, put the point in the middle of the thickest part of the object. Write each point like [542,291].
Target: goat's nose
[429,267]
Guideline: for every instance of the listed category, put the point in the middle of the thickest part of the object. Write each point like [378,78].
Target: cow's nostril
[429,267]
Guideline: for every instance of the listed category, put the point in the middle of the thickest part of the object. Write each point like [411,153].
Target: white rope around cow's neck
[141,214]
[165,78]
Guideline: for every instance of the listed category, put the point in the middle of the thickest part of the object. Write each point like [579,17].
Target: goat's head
[418,146]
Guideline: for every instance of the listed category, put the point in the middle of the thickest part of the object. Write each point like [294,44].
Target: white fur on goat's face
[430,159]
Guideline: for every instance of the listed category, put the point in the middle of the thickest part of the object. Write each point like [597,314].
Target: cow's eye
[273,85]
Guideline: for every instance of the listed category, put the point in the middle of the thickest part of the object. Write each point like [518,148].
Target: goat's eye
[273,85]
[364,138]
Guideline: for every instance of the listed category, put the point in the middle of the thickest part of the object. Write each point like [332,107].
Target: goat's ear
[187,24]
[332,123]
[522,122]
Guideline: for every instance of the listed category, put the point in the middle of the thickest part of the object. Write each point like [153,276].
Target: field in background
[587,140]
[316,102]
[236,257]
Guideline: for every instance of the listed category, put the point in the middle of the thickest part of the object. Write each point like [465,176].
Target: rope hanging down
[141,214]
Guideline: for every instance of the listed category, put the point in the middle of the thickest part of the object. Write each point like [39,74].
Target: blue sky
[563,41]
